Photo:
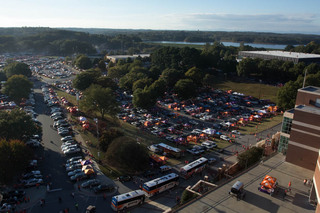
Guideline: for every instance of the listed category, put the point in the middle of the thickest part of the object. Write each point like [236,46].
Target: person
[284,194]
[289,186]
[72,194]
[79,187]
[304,181]
[60,199]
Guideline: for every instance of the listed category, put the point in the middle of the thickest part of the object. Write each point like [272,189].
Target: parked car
[33,143]
[212,160]
[236,132]
[73,167]
[64,133]
[103,187]
[73,163]
[71,151]
[224,137]
[33,182]
[124,178]
[74,158]
[91,183]
[78,176]
[67,138]
[74,172]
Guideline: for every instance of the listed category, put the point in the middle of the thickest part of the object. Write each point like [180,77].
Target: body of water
[234,44]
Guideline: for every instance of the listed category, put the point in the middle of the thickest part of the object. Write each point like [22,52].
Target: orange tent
[266,184]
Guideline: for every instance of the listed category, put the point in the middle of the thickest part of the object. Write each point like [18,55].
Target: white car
[67,138]
[67,147]
[73,163]
[74,158]
[73,167]
[71,151]
[33,143]
[236,132]
[224,137]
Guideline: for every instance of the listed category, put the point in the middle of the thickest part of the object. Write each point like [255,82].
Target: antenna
[304,79]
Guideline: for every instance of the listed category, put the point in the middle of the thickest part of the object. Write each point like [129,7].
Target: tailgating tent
[269,182]
[86,162]
[228,123]
[88,171]
[209,131]
[81,118]
[86,167]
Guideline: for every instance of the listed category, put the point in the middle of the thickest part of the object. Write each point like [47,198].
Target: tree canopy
[17,68]
[185,88]
[14,159]
[83,62]
[107,137]
[16,124]
[126,153]
[85,79]
[18,87]
[97,98]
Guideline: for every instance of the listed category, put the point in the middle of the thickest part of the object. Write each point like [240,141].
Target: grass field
[253,89]
[256,127]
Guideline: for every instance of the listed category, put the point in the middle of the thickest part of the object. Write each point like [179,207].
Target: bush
[187,196]
[250,157]
[107,137]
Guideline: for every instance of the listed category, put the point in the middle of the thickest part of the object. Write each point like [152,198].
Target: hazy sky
[228,15]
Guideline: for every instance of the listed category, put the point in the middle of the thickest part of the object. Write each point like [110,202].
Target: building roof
[284,54]
[313,110]
[310,89]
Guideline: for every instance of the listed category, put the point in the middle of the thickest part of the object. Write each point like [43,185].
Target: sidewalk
[35,194]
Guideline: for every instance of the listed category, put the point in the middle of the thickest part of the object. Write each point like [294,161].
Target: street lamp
[96,120]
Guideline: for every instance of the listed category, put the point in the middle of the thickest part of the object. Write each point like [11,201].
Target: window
[286,125]
[283,144]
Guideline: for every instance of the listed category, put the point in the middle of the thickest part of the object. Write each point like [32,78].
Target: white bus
[193,167]
[127,200]
[161,184]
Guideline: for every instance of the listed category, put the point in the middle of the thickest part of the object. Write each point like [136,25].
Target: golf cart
[237,190]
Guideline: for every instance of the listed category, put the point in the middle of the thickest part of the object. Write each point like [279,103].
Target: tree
[84,80]
[14,159]
[141,83]
[105,82]
[143,98]
[208,80]
[102,65]
[125,153]
[107,137]
[97,98]
[171,76]
[250,157]
[17,68]
[195,74]
[17,124]
[185,88]
[187,196]
[18,87]
[287,95]
[83,62]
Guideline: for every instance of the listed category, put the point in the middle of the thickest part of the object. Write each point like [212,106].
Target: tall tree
[185,88]
[84,80]
[18,87]
[97,98]
[17,68]
[16,124]
[83,62]
[14,159]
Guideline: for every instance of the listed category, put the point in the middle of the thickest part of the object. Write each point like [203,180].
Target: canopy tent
[81,118]
[88,171]
[269,182]
[86,162]
[209,131]
[86,167]
[228,123]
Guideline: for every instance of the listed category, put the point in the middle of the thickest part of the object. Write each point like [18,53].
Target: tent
[86,167]
[86,162]
[209,131]
[81,118]
[88,171]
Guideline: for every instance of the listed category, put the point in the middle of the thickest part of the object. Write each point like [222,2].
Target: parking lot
[255,201]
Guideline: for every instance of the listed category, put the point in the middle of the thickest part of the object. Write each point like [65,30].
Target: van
[165,168]
[237,190]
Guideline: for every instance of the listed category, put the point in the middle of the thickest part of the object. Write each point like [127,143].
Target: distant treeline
[208,36]
[68,41]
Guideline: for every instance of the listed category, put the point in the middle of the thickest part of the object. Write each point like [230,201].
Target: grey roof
[312,89]
[313,110]
[284,54]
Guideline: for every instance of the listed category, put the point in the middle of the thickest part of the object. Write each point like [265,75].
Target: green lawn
[256,127]
[252,89]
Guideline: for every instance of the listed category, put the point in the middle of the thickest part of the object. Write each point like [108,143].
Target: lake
[234,44]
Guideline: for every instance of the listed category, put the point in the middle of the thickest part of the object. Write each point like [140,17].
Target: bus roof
[128,195]
[194,164]
[161,179]
[169,147]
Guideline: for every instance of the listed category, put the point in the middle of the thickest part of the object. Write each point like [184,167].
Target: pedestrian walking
[104,196]
[289,186]
[28,199]
[41,203]
[77,206]
[60,199]
[72,194]
[79,187]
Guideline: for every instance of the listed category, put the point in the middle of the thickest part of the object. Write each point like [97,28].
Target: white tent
[81,118]
[228,123]
[209,131]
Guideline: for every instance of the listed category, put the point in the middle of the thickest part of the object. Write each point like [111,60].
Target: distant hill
[207,36]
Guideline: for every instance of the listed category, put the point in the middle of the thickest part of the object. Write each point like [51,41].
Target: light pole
[97,125]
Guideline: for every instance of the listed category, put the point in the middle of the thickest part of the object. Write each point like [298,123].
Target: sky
[284,16]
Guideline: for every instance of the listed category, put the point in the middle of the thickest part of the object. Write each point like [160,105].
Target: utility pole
[304,79]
